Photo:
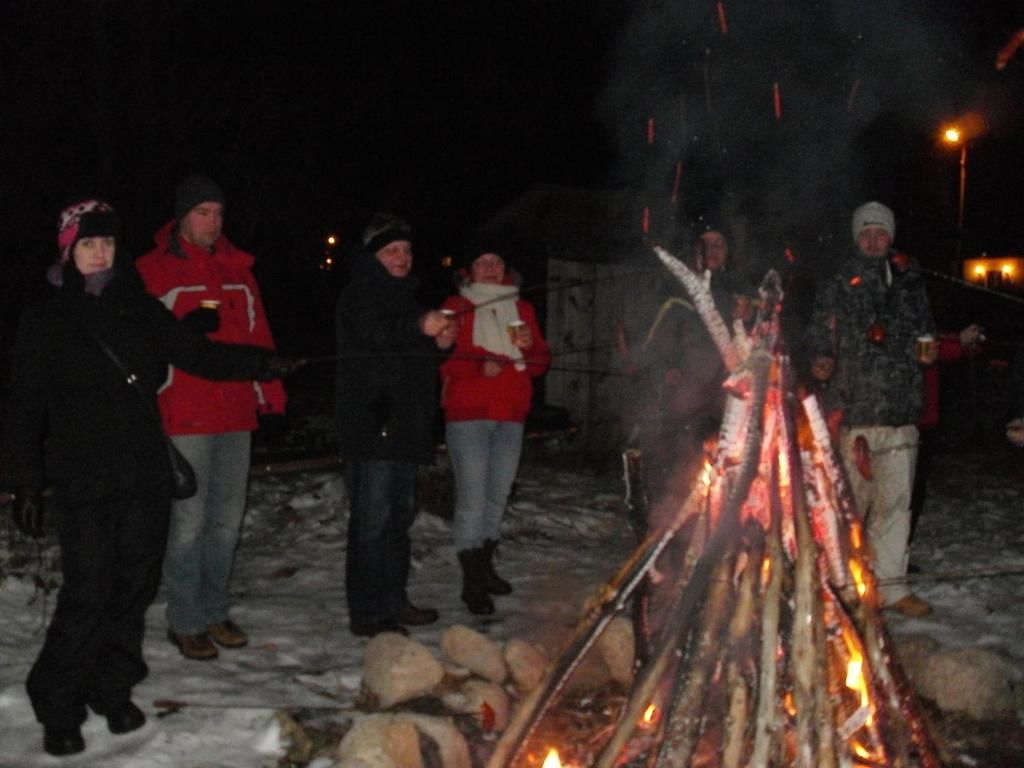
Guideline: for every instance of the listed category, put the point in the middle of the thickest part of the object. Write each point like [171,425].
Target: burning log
[772,649]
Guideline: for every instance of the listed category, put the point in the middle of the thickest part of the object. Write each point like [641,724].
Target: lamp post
[954,136]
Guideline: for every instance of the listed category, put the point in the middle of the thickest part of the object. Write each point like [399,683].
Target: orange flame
[858,577]
[856,680]
[552,760]
[707,474]
[855,537]
[766,571]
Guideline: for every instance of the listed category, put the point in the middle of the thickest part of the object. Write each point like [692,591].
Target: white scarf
[491,321]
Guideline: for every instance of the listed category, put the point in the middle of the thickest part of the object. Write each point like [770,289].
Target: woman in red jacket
[487,387]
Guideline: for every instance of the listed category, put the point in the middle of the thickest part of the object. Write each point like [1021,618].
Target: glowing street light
[954,136]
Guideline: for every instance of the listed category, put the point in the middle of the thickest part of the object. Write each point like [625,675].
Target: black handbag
[183,477]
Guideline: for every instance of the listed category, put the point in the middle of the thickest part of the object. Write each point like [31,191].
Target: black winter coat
[386,385]
[72,418]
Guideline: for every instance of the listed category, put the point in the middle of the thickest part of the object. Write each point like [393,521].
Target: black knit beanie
[385,228]
[194,190]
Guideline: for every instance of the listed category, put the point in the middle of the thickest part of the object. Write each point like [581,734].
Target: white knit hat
[874,214]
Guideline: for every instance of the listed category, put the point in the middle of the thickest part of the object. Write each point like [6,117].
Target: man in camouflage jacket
[863,342]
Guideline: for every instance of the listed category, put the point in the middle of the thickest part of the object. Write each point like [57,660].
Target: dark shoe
[63,741]
[125,719]
[495,584]
[374,628]
[474,586]
[227,634]
[195,647]
[412,616]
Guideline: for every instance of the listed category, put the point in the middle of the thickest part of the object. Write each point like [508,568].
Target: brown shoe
[912,606]
[416,617]
[195,647]
[227,634]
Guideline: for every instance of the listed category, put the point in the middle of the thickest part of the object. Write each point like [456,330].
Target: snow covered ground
[565,534]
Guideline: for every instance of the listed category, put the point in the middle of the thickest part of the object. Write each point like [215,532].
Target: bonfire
[772,650]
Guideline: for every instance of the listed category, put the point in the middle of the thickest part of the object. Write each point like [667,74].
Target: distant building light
[447,261]
[979,270]
[1007,270]
[332,240]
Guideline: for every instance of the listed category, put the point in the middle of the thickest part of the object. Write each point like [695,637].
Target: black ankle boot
[63,741]
[495,584]
[474,586]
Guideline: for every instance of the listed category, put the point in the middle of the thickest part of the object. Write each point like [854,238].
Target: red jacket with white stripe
[468,395]
[194,406]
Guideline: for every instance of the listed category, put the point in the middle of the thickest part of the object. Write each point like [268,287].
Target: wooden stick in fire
[807,664]
[611,601]
[766,722]
[686,706]
[705,306]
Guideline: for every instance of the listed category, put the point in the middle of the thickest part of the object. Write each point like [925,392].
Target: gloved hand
[277,366]
[273,426]
[27,512]
[202,320]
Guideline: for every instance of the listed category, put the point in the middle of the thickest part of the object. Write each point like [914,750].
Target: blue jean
[204,530]
[382,508]
[485,459]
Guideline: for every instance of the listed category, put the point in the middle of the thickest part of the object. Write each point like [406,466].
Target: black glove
[277,366]
[27,512]
[273,426]
[202,320]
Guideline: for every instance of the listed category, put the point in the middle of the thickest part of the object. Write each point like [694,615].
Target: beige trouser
[884,501]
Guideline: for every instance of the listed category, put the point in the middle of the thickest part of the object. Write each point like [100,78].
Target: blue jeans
[485,458]
[204,530]
[382,508]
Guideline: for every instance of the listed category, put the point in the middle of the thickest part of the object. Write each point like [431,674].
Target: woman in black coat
[74,421]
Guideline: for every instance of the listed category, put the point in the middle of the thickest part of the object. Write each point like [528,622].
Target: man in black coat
[386,395]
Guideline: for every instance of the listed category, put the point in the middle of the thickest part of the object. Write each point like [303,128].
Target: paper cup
[924,346]
[515,329]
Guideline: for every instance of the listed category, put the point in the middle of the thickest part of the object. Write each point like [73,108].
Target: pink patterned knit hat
[70,223]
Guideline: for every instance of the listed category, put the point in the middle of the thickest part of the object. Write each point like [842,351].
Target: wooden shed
[600,274]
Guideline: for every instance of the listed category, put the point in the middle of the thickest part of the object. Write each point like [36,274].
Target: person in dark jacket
[487,389]
[679,372]
[863,345]
[73,420]
[386,396]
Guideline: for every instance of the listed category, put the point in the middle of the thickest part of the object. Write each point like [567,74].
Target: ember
[772,649]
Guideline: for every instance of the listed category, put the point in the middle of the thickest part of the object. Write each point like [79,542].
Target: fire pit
[771,649]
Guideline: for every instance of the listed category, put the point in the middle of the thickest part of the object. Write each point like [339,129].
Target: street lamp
[954,136]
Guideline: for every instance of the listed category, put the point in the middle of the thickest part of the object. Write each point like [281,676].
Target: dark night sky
[312,114]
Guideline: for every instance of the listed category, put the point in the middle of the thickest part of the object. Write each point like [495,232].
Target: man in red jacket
[208,283]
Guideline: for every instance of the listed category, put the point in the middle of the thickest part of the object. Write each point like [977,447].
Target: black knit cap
[479,243]
[385,228]
[195,190]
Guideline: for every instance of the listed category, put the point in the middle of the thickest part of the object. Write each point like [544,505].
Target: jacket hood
[223,249]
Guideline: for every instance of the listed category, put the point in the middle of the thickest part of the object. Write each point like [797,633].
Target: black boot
[495,584]
[474,586]
[63,741]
